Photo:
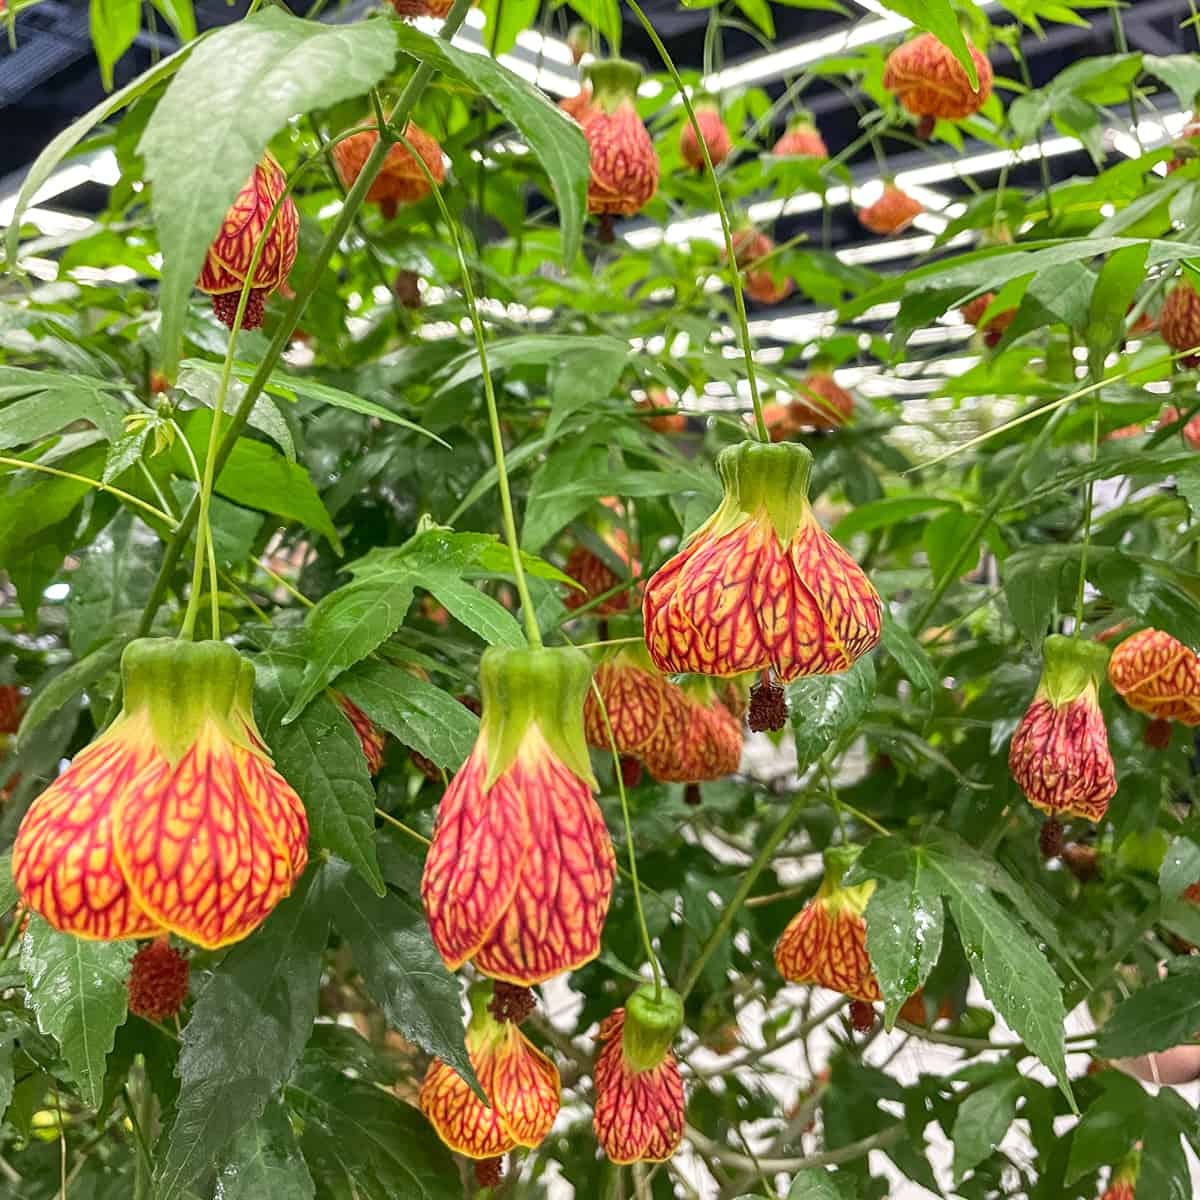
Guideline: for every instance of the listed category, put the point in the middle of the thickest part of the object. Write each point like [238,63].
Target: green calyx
[761,478]
[613,80]
[180,685]
[1070,666]
[801,121]
[703,102]
[546,686]
[838,860]
[651,1026]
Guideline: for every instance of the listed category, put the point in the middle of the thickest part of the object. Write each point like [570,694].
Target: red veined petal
[526,1090]
[458,1116]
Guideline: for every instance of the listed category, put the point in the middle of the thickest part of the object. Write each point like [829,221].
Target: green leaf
[1180,72]
[1118,282]
[905,919]
[475,609]
[114,25]
[1180,868]
[413,711]
[939,18]
[389,938]
[1165,1173]
[246,1032]
[584,379]
[1115,1118]
[824,707]
[880,514]
[238,89]
[53,402]
[1031,580]
[321,756]
[264,1160]
[58,689]
[77,990]
[759,11]
[504,20]
[982,1121]
[8,890]
[909,654]
[1161,1015]
[27,512]
[179,15]
[816,1184]
[944,539]
[527,350]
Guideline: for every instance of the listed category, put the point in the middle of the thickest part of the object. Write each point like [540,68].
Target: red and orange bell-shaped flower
[892,213]
[373,738]
[521,1085]
[1123,1184]
[927,79]
[1059,755]
[520,871]
[174,818]
[1179,322]
[712,129]
[826,942]
[751,248]
[1158,675]
[401,180]
[710,744]
[639,1109]
[1190,432]
[227,265]
[760,584]
[624,163]
[596,578]
[995,327]
[801,139]
[822,402]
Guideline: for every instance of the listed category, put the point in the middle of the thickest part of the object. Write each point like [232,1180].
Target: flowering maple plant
[632,634]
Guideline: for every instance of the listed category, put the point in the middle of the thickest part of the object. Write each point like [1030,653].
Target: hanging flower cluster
[1190,432]
[1179,322]
[750,248]
[892,213]
[174,818]
[996,326]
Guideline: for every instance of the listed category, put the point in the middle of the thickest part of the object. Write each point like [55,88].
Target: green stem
[1087,523]
[99,485]
[412,833]
[798,805]
[506,505]
[735,272]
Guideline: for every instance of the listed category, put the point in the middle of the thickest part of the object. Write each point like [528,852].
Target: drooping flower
[781,420]
[1123,1184]
[401,180]
[232,250]
[930,82]
[709,745]
[822,402]
[1158,675]
[750,248]
[436,9]
[520,872]
[158,981]
[760,584]
[624,163]
[994,329]
[174,818]
[1059,755]
[1190,432]
[893,212]
[639,1111]
[373,738]
[521,1084]
[596,577]
[712,129]
[801,139]
[1179,322]
[825,943]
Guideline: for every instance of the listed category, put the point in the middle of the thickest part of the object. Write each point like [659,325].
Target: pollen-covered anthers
[862,1016]
[1187,145]
[511,1002]
[174,818]
[520,871]
[822,402]
[521,1085]
[1081,861]
[995,327]
[712,129]
[401,180]
[751,249]
[158,981]
[227,265]
[1157,734]
[12,705]
[929,81]
[892,213]
[1050,838]
[1158,675]
[1059,755]
[639,1108]
[801,139]
[1190,432]
[624,164]
[489,1172]
[670,421]
[760,584]
[768,710]
[1179,322]
[826,942]
[373,739]
[596,577]
[406,287]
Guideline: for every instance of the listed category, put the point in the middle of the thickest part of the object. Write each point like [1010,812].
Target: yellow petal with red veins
[1158,675]
[63,859]
[525,1091]
[458,1116]
[826,944]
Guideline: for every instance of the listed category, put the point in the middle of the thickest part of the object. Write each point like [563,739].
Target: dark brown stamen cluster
[691,795]
[489,1171]
[768,706]
[1050,839]
[862,1016]
[511,1002]
[1158,734]
[407,288]
[631,771]
[226,305]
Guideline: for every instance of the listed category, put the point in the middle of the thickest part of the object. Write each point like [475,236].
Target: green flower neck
[801,122]
[179,685]
[651,1026]
[759,478]
[838,860]
[482,1028]
[1071,666]
[544,687]
[613,81]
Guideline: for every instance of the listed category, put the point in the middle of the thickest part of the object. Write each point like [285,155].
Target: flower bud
[1179,322]
[401,180]
[929,81]
[712,129]
[624,163]
[892,213]
[801,139]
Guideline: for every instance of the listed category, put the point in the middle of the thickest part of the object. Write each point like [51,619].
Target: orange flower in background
[639,1112]
[1059,755]
[712,129]
[437,9]
[1179,322]
[158,981]
[670,421]
[647,712]
[520,871]
[750,248]
[174,818]
[1190,432]
[401,180]
[801,139]
[596,577]
[229,257]
[624,162]
[1157,675]
[373,738]
[521,1084]
[709,745]
[993,331]
[1185,145]
[893,212]
[930,82]
[578,105]
[782,421]
[760,584]
[826,942]
[822,403]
